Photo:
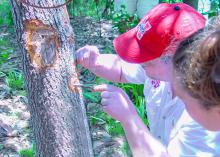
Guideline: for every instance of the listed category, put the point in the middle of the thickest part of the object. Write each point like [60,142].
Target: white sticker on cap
[143,27]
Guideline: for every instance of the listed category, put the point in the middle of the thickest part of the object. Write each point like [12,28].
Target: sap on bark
[74,79]
[42,43]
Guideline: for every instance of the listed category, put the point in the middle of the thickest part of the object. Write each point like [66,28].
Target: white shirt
[169,121]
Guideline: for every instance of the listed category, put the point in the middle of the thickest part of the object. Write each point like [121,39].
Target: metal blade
[84,85]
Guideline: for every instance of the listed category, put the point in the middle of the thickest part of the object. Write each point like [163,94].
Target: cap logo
[143,27]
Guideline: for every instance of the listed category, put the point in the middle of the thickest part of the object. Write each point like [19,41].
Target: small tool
[84,85]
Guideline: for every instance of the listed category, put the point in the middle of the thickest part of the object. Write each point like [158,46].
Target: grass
[27,152]
[5,50]
[126,149]
[137,97]
[93,97]
[15,80]
[5,13]
[92,8]
[113,127]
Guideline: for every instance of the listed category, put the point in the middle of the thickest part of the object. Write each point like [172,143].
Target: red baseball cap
[156,31]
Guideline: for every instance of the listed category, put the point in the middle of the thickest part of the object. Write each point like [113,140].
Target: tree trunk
[57,111]
[193,3]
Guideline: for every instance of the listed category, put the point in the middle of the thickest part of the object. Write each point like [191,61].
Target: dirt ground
[16,132]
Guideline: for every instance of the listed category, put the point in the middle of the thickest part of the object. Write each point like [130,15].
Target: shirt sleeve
[193,140]
[133,73]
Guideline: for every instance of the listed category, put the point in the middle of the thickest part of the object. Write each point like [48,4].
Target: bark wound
[42,43]
[74,79]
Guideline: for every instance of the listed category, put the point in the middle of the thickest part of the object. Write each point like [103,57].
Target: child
[151,46]
[197,69]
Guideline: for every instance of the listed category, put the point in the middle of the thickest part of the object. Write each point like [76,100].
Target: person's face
[209,119]
[158,69]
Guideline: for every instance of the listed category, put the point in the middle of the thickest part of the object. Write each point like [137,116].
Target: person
[197,75]
[145,56]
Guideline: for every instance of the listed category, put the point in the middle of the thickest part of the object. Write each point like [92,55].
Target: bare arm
[141,142]
[117,104]
[107,66]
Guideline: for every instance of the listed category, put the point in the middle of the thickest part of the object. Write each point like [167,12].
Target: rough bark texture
[57,110]
[193,3]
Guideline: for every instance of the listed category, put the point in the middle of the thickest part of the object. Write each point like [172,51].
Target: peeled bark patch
[42,43]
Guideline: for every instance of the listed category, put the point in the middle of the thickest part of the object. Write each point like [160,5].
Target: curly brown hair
[197,59]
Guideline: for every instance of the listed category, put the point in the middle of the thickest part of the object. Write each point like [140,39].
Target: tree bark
[57,110]
[193,3]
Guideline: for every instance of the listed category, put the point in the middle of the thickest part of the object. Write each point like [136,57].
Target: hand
[87,56]
[116,102]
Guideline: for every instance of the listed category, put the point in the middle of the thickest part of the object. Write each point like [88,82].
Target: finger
[77,57]
[105,102]
[93,49]
[106,94]
[88,48]
[80,49]
[105,87]
[92,58]
[105,109]
[79,54]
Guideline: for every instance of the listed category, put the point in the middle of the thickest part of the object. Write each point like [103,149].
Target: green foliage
[28,152]
[136,95]
[113,127]
[90,7]
[5,50]
[5,13]
[4,56]
[214,10]
[93,97]
[135,92]
[123,21]
[87,8]
[126,149]
[15,80]
[96,119]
